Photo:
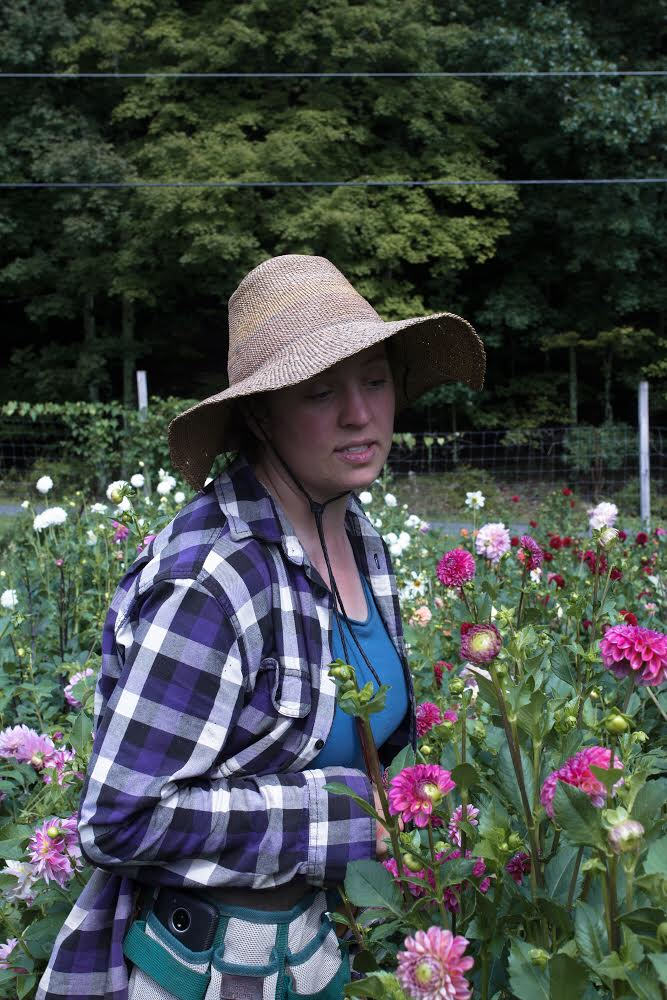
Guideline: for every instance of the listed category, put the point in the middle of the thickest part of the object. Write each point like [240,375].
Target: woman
[205,808]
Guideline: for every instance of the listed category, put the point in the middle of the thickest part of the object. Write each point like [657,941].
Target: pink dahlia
[576,771]
[432,966]
[518,866]
[534,555]
[12,738]
[6,952]
[416,790]
[480,643]
[121,532]
[633,651]
[452,893]
[428,716]
[37,750]
[73,681]
[493,541]
[471,814]
[54,849]
[456,568]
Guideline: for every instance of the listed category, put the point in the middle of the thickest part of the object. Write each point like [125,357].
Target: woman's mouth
[357,454]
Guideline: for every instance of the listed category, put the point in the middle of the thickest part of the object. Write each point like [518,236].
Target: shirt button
[319,744]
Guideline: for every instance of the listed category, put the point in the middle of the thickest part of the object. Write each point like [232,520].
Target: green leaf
[576,815]
[655,862]
[507,779]
[368,883]
[405,758]
[528,981]
[339,788]
[364,961]
[611,967]
[607,775]
[25,985]
[41,934]
[568,977]
[465,776]
[558,874]
[659,963]
[81,733]
[643,986]
[378,986]
[647,807]
[643,920]
[590,934]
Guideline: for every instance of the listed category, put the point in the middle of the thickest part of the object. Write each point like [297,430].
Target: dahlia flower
[365,497]
[36,749]
[44,484]
[415,889]
[54,849]
[137,480]
[6,951]
[12,738]
[98,508]
[428,716]
[456,568]
[116,490]
[416,790]
[634,651]
[480,643]
[49,518]
[390,500]
[432,966]
[518,866]
[179,496]
[475,499]
[533,554]
[24,873]
[73,681]
[576,771]
[602,516]
[121,532]
[471,814]
[9,599]
[421,616]
[493,541]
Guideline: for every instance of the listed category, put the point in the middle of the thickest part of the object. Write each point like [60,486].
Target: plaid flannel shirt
[212,700]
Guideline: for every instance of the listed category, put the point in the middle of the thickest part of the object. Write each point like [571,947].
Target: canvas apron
[256,955]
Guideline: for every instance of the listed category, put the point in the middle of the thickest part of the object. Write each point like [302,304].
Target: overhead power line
[500,74]
[553,181]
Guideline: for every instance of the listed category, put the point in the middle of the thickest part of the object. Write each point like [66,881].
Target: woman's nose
[355,409]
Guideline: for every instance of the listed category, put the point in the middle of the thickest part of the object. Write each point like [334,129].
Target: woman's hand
[381,834]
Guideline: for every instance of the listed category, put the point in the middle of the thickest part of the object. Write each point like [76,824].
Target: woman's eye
[320,394]
[377,383]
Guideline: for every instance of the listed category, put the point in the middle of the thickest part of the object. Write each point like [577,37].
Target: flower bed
[527,854]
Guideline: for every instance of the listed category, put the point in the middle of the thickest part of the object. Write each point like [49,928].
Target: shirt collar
[252,512]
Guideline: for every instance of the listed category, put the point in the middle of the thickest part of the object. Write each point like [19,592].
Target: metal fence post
[142,398]
[644,464]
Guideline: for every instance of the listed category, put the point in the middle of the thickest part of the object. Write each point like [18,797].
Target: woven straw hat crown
[296,315]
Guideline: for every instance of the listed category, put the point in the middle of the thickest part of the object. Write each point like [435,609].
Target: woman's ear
[256,417]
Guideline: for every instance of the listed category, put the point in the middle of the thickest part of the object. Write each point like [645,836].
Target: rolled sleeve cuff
[339,830]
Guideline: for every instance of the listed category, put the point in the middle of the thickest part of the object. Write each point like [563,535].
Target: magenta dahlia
[576,771]
[634,651]
[54,849]
[480,643]
[416,890]
[456,568]
[518,866]
[416,790]
[534,556]
[428,716]
[432,966]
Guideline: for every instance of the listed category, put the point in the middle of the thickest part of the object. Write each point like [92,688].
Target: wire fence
[596,461]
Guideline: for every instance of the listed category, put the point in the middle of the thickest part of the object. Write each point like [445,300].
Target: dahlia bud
[412,863]
[481,643]
[539,957]
[616,723]
[515,841]
[456,686]
[431,791]
[442,847]
[607,536]
[426,749]
[626,836]
[639,737]
[53,832]
[478,732]
[341,671]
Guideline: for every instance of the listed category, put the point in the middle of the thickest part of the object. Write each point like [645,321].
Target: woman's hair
[244,440]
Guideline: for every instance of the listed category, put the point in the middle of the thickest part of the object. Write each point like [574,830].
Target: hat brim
[427,350]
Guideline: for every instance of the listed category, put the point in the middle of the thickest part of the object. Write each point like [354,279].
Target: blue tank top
[342,748]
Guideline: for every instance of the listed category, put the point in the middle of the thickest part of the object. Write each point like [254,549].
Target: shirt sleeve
[150,808]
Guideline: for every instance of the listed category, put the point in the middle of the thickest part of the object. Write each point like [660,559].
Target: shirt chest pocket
[290,686]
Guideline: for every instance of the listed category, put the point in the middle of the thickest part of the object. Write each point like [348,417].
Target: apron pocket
[321,969]
[163,969]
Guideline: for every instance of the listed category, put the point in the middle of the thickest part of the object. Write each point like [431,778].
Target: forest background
[565,284]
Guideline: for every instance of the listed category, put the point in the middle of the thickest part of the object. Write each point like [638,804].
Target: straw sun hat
[293,317]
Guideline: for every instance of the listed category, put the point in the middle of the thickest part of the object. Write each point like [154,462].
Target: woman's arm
[149,810]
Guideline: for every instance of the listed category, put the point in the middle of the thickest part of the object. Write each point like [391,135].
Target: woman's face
[334,431]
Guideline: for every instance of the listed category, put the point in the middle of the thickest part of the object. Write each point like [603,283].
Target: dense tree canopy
[565,284]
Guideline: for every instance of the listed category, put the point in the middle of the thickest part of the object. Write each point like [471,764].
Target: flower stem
[436,875]
[657,703]
[375,773]
[349,913]
[573,880]
[535,871]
